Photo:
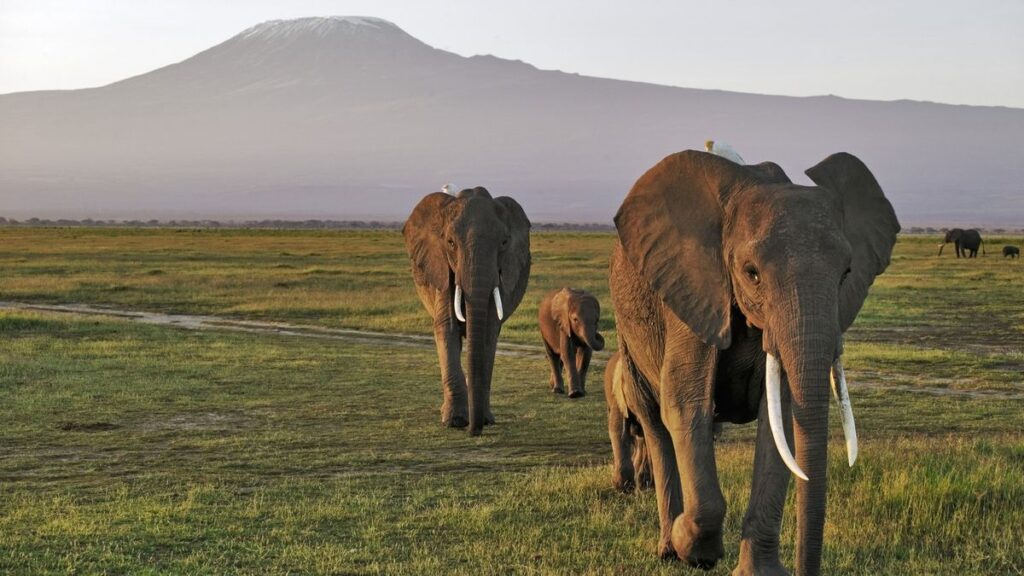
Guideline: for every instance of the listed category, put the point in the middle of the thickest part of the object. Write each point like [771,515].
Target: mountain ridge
[353,118]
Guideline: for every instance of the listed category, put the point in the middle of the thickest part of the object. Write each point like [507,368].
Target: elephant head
[475,251]
[578,314]
[952,235]
[715,240]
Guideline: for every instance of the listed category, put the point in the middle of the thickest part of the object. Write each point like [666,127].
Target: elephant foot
[577,393]
[699,548]
[666,551]
[767,564]
[453,418]
[455,422]
[477,428]
[557,390]
[623,482]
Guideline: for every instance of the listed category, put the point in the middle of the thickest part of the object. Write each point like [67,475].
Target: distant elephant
[965,241]
[732,290]
[1011,251]
[568,322]
[631,463]
[470,258]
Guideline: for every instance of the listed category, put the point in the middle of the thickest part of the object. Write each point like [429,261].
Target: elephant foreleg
[640,395]
[448,337]
[555,361]
[568,353]
[583,354]
[666,478]
[759,544]
[688,409]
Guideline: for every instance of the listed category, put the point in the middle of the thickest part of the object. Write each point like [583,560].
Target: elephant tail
[983,247]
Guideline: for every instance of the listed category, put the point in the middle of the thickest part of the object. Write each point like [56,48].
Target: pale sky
[969,52]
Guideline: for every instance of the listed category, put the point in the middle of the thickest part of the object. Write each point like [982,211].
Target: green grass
[968,311]
[140,449]
[143,449]
[347,279]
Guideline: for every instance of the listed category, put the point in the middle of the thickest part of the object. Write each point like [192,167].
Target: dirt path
[202,323]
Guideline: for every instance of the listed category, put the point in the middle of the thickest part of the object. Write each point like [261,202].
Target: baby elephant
[568,322]
[1011,251]
[631,465]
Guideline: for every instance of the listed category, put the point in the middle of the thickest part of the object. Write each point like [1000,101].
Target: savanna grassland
[144,449]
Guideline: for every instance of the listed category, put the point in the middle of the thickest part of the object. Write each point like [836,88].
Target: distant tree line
[292,224]
[348,225]
[931,230]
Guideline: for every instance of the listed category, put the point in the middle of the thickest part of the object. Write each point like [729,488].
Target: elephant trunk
[807,350]
[482,326]
[941,246]
[592,338]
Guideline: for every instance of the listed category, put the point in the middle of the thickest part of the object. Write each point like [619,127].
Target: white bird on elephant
[723,150]
[449,189]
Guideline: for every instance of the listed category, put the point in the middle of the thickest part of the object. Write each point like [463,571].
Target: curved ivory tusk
[458,304]
[773,383]
[497,304]
[842,396]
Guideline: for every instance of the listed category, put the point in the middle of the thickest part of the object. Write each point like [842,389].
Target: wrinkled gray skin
[718,264]
[568,321]
[631,465]
[1011,251]
[478,243]
[966,242]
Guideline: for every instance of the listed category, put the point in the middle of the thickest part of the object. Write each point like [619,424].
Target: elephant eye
[751,271]
[504,241]
[845,275]
[451,244]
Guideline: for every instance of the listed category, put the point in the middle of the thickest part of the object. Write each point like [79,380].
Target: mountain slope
[353,118]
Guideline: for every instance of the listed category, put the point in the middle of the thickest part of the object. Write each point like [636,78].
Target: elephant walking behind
[470,257]
[631,466]
[1011,251]
[966,242]
[568,321]
[732,290]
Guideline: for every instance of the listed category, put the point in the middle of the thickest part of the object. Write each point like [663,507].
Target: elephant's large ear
[670,226]
[870,224]
[515,258]
[560,309]
[424,242]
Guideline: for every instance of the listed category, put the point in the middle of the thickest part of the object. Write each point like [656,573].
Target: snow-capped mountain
[352,118]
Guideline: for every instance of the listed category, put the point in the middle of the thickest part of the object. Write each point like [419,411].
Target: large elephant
[966,242]
[568,321]
[470,261]
[732,289]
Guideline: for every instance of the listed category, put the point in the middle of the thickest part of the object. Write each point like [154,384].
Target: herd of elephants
[732,289]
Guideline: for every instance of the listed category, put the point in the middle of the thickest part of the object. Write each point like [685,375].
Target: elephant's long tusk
[842,396]
[458,304]
[497,304]
[773,383]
